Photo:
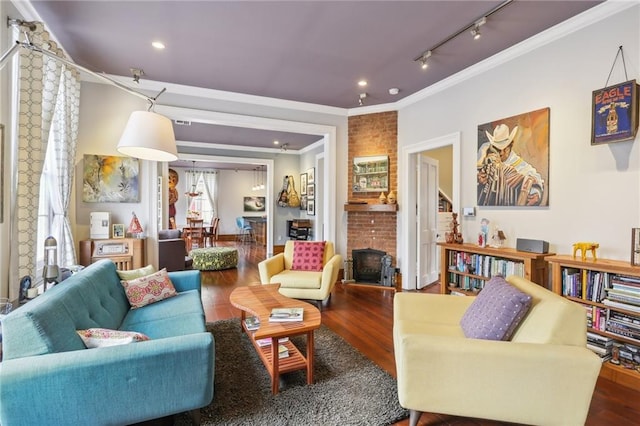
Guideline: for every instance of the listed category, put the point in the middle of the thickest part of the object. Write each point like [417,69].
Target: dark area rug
[349,389]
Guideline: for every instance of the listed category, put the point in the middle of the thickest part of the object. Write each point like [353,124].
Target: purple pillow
[496,312]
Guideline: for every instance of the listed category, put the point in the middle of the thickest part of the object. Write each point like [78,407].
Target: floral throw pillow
[150,289]
[307,256]
[102,337]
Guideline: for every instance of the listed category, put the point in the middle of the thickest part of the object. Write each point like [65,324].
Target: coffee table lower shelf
[294,362]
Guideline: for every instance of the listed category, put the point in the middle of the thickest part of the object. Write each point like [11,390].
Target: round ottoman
[214,258]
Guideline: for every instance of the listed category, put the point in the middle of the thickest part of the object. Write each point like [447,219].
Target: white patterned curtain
[39,88]
[211,190]
[59,162]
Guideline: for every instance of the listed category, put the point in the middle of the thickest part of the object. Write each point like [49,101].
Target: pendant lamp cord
[619,53]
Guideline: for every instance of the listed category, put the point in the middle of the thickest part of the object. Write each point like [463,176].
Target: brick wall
[370,135]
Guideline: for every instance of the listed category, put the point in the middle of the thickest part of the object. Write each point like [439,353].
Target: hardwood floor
[363,316]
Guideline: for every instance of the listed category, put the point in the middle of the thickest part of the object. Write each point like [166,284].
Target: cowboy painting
[513,161]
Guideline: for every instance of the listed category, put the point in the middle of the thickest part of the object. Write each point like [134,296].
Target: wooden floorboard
[363,316]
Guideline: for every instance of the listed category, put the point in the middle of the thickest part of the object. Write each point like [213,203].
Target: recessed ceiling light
[362,83]
[276,142]
[158,44]
[394,91]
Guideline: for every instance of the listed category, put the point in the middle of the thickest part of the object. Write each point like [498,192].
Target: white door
[427,216]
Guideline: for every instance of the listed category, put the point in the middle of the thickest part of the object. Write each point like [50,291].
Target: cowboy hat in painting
[501,137]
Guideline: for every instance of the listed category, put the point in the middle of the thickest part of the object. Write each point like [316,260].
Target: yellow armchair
[308,285]
[544,375]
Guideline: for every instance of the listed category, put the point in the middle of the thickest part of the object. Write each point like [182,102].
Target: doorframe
[327,132]
[407,223]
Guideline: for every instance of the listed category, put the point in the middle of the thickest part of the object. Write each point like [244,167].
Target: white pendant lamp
[148,136]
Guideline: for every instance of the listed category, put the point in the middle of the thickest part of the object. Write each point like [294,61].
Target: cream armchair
[306,285]
[545,375]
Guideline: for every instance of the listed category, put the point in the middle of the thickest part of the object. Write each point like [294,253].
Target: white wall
[594,190]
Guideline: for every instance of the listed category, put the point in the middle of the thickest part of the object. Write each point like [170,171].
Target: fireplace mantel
[370,207]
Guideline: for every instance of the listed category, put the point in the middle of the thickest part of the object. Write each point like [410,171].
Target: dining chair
[245,230]
[211,233]
[195,237]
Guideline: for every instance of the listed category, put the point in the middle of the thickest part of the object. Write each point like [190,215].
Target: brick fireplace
[368,226]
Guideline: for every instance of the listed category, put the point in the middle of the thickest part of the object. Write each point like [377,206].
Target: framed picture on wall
[513,161]
[311,207]
[255,204]
[311,191]
[614,113]
[303,183]
[311,175]
[118,230]
[371,174]
[110,179]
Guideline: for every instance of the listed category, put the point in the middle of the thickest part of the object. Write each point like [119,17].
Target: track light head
[475,31]
[361,98]
[424,64]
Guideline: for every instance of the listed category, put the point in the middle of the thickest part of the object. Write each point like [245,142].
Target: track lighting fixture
[475,31]
[361,98]
[423,60]
[473,27]
[137,73]
[283,147]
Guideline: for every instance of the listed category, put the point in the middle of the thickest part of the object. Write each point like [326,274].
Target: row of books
[484,265]
[623,325]
[600,345]
[598,286]
[585,284]
[596,317]
[466,282]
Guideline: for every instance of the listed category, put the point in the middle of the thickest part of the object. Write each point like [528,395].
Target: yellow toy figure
[583,247]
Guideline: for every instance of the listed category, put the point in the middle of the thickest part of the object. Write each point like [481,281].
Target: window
[204,203]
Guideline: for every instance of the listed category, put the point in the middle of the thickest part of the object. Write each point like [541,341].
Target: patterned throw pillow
[307,255]
[150,289]
[496,311]
[102,337]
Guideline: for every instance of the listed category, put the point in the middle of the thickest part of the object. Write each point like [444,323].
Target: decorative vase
[391,198]
[382,199]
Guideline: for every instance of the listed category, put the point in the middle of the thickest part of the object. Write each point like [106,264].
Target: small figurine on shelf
[583,247]
[382,199]
[497,238]
[454,236]
[135,229]
[484,232]
[391,197]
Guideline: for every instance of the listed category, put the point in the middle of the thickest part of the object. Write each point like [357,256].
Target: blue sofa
[47,376]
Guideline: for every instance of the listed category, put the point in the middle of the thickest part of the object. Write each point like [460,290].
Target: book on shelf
[252,323]
[286,314]
[267,341]
[283,352]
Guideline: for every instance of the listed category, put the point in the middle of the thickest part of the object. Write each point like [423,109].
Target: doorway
[407,230]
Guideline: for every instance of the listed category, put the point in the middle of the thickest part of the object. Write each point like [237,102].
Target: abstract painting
[110,179]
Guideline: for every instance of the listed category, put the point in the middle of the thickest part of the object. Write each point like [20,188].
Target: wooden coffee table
[258,300]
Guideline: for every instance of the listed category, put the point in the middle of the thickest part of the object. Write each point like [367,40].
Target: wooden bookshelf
[532,266]
[561,263]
